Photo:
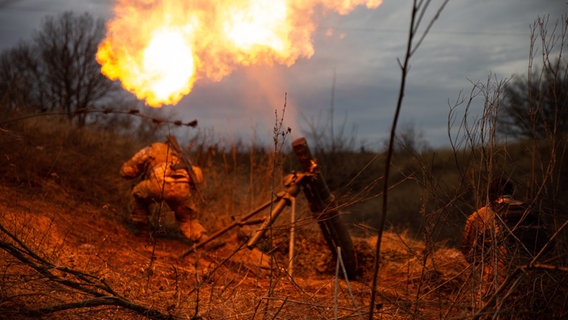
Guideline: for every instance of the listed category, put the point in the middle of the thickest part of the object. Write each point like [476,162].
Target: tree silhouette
[18,78]
[536,106]
[58,70]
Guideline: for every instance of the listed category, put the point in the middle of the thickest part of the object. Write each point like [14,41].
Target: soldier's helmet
[499,187]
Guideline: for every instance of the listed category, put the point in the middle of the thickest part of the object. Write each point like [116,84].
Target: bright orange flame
[159,48]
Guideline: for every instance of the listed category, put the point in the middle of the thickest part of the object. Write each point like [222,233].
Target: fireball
[158,49]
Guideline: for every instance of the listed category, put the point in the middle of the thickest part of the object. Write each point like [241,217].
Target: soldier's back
[524,229]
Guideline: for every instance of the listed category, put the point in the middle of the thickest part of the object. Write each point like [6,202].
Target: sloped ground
[65,252]
[218,283]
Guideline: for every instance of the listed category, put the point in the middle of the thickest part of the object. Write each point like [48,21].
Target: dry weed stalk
[524,286]
[419,9]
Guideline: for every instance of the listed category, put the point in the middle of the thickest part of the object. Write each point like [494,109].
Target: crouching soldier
[502,235]
[167,177]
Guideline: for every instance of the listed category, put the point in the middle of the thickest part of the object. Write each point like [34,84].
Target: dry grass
[62,199]
[85,238]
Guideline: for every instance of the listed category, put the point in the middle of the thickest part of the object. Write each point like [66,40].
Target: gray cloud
[470,41]
[20,18]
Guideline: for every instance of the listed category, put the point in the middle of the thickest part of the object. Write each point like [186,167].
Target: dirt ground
[87,247]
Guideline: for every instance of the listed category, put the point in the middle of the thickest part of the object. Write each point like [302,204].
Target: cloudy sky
[354,69]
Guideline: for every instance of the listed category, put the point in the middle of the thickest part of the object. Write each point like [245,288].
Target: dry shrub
[62,195]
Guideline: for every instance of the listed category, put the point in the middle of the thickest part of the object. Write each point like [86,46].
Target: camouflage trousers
[178,197]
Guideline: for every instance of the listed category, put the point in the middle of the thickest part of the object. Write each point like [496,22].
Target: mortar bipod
[292,183]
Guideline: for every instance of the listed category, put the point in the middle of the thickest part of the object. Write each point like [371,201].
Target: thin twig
[346,277]
[415,20]
[382,216]
[85,285]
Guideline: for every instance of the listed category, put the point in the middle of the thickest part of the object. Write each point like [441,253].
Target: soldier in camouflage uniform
[165,178]
[502,235]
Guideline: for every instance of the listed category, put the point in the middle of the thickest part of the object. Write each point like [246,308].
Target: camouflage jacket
[506,223]
[160,162]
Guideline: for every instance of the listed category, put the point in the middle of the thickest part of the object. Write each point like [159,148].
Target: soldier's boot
[186,216]
[139,222]
[192,230]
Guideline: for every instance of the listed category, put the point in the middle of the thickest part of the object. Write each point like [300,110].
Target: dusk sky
[358,52]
